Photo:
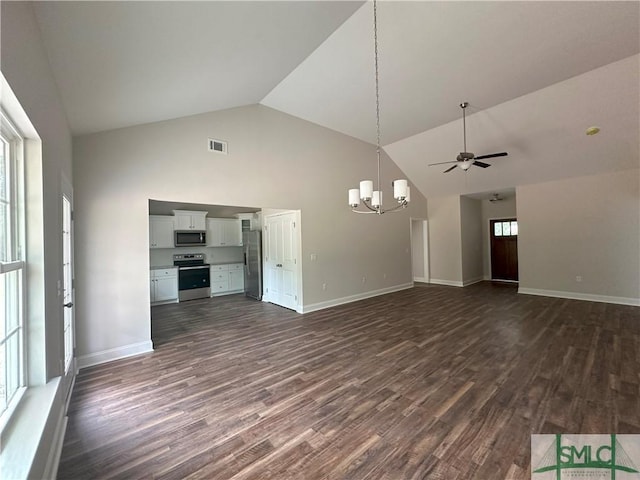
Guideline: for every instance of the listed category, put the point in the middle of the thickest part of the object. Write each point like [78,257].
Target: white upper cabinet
[160,231]
[190,220]
[250,221]
[224,232]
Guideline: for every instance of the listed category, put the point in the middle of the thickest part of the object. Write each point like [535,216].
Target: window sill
[24,434]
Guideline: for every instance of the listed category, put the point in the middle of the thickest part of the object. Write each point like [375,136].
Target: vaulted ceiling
[124,63]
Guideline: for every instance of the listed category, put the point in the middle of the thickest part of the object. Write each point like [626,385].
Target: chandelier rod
[372,198]
[375,43]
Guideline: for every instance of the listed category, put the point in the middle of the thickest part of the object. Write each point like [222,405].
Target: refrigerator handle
[246,260]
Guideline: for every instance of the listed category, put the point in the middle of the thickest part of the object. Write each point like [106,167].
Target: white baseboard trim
[472,281]
[114,354]
[164,302]
[55,451]
[581,296]
[421,279]
[353,298]
[448,283]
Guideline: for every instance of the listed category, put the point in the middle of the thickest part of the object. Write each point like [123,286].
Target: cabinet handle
[278,265]
[68,305]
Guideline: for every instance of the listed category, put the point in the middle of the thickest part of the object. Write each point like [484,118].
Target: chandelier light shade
[372,199]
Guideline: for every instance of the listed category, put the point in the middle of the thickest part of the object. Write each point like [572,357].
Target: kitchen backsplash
[160,257]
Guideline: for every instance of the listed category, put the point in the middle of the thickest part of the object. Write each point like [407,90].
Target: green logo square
[578,457]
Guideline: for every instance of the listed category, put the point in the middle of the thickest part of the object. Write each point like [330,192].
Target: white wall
[505,208]
[25,67]
[586,226]
[471,235]
[445,240]
[274,161]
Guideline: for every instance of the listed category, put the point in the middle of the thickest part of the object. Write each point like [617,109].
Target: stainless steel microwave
[190,238]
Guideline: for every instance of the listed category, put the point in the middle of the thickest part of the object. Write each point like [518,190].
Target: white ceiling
[123,63]
[434,55]
[544,133]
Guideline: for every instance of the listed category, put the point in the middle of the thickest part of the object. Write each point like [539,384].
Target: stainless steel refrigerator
[252,242]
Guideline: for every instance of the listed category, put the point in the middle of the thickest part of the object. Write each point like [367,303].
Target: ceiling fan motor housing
[465,156]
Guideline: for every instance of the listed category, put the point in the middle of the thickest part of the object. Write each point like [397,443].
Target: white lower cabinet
[236,277]
[227,279]
[164,285]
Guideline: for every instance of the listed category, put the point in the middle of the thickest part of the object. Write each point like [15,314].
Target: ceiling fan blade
[450,168]
[492,155]
[481,164]
[442,163]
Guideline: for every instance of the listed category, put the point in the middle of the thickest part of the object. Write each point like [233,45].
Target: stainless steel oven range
[194,279]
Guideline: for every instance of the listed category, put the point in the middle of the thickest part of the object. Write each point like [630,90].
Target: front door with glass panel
[504,249]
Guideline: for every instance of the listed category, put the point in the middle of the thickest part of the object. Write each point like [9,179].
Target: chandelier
[372,199]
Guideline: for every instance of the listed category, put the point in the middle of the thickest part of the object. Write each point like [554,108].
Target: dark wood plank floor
[432,382]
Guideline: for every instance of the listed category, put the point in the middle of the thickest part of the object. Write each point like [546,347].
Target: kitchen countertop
[163,267]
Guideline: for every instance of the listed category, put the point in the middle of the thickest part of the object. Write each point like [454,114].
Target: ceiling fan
[496,198]
[465,159]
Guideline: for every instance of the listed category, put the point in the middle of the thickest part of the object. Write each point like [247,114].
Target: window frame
[15,262]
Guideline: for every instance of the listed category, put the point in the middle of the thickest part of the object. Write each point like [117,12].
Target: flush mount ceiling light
[592,130]
[372,199]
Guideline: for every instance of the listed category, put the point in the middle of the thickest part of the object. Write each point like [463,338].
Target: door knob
[68,305]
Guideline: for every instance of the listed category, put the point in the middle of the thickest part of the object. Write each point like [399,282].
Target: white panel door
[67,281]
[288,262]
[280,261]
[273,273]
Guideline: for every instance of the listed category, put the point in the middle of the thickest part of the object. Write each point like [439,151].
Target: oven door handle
[193,268]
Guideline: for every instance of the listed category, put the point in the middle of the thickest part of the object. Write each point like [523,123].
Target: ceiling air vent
[218,146]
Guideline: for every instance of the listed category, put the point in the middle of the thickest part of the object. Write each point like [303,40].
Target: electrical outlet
[384,276]
[578,278]
[324,286]
[314,257]
[364,279]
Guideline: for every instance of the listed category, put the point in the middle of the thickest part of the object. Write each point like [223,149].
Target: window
[11,264]
[505,229]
